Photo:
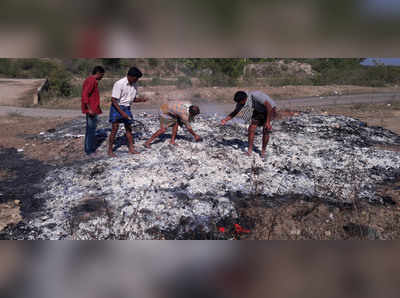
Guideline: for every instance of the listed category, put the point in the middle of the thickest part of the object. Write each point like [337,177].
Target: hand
[268,126]
[223,121]
[125,115]
[91,113]
[197,138]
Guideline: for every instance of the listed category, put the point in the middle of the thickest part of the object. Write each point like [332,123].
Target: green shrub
[155,81]
[153,62]
[183,82]
[60,83]
[217,80]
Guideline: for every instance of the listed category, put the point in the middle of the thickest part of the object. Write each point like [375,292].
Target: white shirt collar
[126,82]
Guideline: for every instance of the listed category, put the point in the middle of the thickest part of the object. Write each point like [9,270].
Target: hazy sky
[382,8]
[387,61]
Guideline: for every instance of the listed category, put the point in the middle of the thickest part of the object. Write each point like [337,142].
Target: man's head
[193,111]
[240,97]
[134,74]
[98,72]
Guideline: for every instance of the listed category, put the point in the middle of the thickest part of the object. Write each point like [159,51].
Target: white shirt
[124,92]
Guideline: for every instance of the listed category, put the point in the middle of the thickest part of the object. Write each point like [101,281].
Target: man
[123,94]
[257,108]
[174,114]
[91,107]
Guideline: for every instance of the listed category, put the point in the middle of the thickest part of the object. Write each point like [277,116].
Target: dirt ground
[302,219]
[18,92]
[26,160]
[159,94]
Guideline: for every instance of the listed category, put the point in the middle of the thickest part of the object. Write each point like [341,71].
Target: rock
[296,232]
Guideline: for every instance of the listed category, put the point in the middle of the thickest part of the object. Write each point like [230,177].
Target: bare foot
[95,155]
[147,145]
[262,154]
[248,154]
[175,144]
[111,154]
[134,152]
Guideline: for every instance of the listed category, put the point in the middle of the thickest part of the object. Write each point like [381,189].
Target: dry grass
[220,94]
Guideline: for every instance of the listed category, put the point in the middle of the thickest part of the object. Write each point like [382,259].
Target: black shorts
[261,117]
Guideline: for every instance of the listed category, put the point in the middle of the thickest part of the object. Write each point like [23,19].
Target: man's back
[177,108]
[259,99]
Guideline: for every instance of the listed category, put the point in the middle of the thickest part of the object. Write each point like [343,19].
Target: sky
[386,61]
[382,8]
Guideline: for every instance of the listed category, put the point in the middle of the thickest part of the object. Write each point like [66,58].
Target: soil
[26,160]
[18,92]
[301,219]
[221,95]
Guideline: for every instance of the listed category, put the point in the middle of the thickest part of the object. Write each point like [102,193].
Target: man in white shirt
[123,94]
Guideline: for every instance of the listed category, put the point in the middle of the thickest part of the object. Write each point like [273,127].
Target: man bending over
[174,114]
[257,108]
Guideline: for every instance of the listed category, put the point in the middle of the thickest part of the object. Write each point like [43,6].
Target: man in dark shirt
[91,107]
[261,109]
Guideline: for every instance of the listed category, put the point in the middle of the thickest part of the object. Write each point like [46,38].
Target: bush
[153,62]
[155,81]
[217,80]
[8,68]
[26,68]
[289,79]
[82,67]
[60,83]
[183,82]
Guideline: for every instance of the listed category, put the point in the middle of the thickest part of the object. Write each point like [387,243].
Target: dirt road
[17,92]
[222,108]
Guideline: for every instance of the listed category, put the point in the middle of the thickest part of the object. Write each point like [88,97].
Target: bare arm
[116,105]
[233,114]
[269,114]
[137,99]
[189,128]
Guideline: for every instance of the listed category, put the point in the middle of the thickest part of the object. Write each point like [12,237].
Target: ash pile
[191,190]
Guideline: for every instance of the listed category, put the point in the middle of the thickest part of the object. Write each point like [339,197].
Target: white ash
[182,188]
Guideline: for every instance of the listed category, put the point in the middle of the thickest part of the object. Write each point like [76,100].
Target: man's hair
[134,72]
[194,110]
[239,96]
[98,69]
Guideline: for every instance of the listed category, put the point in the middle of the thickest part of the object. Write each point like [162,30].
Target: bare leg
[114,131]
[158,133]
[251,131]
[264,141]
[129,137]
[174,132]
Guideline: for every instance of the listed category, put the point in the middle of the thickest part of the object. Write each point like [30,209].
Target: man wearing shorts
[123,94]
[263,111]
[174,114]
